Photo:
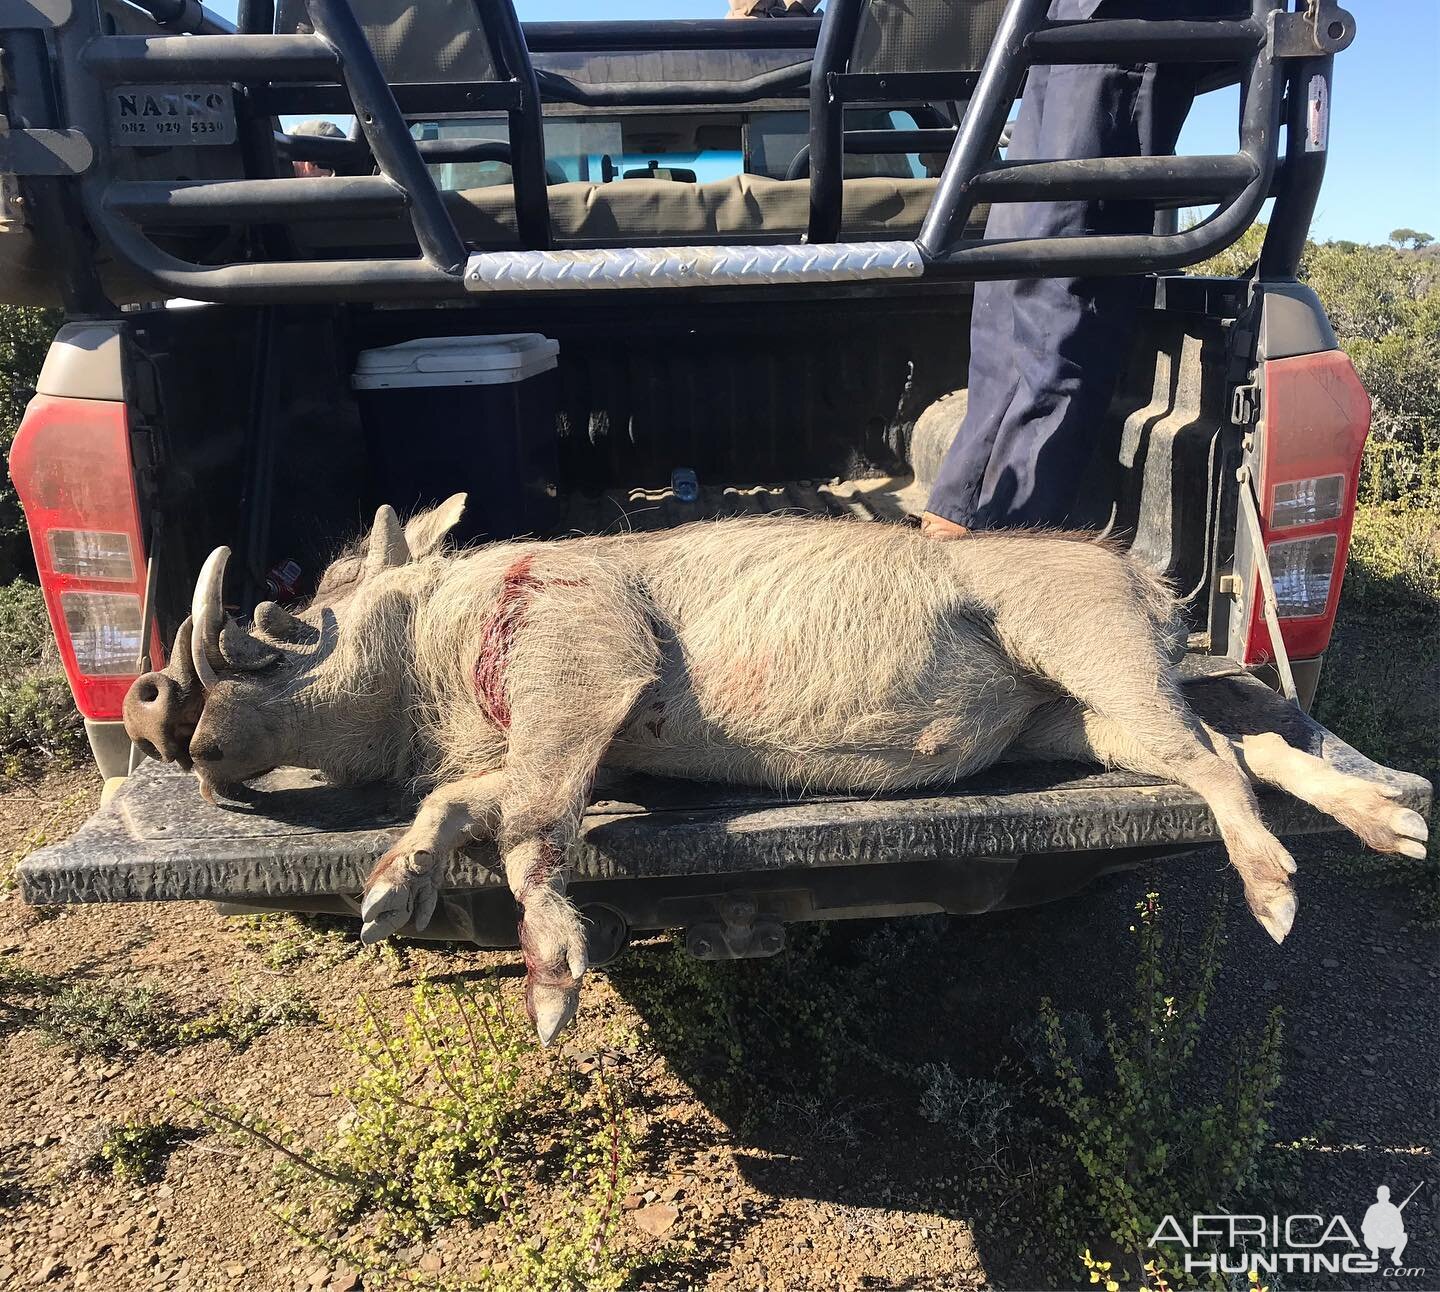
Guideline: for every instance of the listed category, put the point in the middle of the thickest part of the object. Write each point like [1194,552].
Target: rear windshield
[682,148]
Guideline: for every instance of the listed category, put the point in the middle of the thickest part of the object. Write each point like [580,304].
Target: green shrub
[25,336]
[137,1151]
[38,720]
[95,1019]
[457,1117]
[1150,1139]
[243,1018]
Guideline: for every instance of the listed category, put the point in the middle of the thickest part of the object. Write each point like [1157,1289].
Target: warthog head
[290,688]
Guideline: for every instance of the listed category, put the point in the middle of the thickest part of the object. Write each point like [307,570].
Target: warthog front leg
[579,656]
[406,881]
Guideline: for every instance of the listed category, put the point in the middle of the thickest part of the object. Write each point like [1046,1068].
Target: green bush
[1384,304]
[95,1019]
[38,720]
[1151,1138]
[25,335]
[136,1151]
[456,1116]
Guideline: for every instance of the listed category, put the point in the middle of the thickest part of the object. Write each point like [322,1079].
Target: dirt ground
[855,1190]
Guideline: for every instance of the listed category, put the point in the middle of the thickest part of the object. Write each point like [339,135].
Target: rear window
[676,147]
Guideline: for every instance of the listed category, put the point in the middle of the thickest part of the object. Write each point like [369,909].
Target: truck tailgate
[300,843]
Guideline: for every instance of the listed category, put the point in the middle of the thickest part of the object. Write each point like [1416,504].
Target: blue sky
[1384,166]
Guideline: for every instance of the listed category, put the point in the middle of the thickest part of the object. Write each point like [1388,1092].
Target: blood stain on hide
[497,641]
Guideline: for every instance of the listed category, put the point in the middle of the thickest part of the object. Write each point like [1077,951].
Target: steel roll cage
[338,61]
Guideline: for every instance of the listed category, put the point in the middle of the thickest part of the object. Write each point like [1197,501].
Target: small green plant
[746,1032]
[457,1117]
[1151,1140]
[38,720]
[137,1151]
[974,1110]
[96,1019]
[248,1015]
[282,939]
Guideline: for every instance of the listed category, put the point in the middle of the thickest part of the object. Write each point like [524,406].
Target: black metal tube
[1088,254]
[385,127]
[199,202]
[1197,179]
[257,17]
[333,152]
[420,98]
[527,127]
[1303,171]
[985,116]
[1146,40]
[148,59]
[295,281]
[870,142]
[827,118]
[185,16]
[561,89]
[685,33]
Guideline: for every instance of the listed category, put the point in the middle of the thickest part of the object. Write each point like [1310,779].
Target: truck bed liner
[159,841]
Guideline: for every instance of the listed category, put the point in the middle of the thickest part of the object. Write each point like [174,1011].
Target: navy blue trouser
[1045,354]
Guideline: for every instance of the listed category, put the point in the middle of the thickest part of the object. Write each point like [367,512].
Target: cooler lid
[456,361]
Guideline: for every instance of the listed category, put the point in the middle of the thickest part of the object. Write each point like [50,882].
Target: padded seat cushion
[641,211]
[647,212]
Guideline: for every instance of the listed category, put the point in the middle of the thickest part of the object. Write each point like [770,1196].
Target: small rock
[631,1202]
[1269,985]
[344,1279]
[1329,962]
[431,1262]
[53,1266]
[671,1192]
[650,1195]
[235,1271]
[656,1219]
[318,1276]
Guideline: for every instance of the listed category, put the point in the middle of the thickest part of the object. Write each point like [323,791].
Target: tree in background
[1411,238]
[25,336]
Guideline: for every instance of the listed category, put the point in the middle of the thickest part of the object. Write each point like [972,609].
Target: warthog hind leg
[406,881]
[1367,810]
[1172,744]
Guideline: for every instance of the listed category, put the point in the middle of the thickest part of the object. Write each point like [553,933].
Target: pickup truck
[749,249]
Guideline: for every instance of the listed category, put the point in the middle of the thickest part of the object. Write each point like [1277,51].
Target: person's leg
[994,373]
[1046,354]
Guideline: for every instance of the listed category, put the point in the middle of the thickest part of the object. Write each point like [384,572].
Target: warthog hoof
[402,887]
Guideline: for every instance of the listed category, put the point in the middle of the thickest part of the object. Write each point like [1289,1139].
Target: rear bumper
[652,848]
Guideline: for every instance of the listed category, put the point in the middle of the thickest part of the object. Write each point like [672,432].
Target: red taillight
[71,466]
[1316,418]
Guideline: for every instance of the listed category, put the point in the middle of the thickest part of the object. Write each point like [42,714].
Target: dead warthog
[796,653]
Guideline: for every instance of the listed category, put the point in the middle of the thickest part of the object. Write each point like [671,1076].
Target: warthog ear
[280,625]
[387,547]
[426,530]
[244,651]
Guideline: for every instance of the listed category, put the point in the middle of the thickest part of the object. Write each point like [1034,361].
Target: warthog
[796,653]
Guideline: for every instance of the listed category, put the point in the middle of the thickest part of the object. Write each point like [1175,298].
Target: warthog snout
[162,708]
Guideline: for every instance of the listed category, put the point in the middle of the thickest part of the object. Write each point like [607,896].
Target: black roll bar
[385,129]
[338,61]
